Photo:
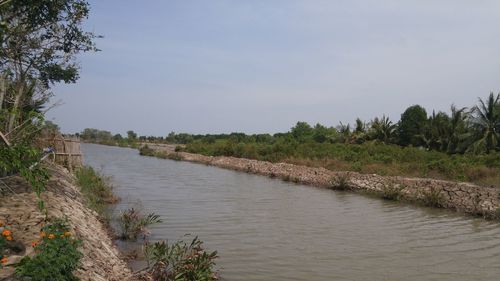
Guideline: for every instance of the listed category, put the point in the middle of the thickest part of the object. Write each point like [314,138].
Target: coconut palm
[486,124]
[458,129]
[382,129]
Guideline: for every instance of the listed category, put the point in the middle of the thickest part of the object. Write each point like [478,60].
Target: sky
[258,66]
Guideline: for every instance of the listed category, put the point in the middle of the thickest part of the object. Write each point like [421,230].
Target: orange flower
[9,238]
[34,244]
[6,233]
[67,234]
[4,260]
[42,234]
[51,236]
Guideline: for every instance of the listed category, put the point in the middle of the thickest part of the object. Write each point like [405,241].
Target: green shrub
[132,223]
[181,261]
[56,256]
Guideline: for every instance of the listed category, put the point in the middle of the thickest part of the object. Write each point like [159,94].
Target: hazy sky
[262,65]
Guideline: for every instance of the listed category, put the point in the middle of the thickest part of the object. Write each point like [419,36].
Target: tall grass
[96,189]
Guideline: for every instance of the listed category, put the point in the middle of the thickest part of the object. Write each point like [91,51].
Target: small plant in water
[180,261]
[134,224]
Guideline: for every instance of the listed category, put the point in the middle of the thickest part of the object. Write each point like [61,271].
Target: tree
[344,133]
[458,130]
[485,121]
[436,131]
[411,126]
[382,129]
[131,135]
[39,41]
[302,131]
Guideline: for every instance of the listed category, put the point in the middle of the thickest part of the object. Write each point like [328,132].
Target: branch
[4,138]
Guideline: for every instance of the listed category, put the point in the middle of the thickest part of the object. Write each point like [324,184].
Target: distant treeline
[463,130]
[461,145]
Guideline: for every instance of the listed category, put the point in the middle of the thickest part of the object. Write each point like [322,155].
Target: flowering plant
[56,255]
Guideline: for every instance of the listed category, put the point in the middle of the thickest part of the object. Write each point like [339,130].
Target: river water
[266,229]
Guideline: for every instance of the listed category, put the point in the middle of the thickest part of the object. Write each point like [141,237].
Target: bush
[56,255]
[181,261]
[133,224]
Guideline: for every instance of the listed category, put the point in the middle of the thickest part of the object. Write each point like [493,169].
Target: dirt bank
[459,196]
[101,260]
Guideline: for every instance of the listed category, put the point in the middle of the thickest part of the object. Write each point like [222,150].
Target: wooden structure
[66,150]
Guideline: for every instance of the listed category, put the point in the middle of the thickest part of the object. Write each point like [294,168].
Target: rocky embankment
[459,196]
[18,210]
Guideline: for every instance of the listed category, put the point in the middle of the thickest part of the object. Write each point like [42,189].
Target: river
[267,229]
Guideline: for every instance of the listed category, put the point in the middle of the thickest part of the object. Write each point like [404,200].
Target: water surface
[266,229]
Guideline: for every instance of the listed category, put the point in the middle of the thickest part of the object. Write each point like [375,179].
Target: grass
[341,182]
[96,189]
[392,192]
[433,198]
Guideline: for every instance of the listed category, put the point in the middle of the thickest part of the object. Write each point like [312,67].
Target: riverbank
[18,211]
[459,196]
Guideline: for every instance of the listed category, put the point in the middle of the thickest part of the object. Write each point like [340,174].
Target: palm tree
[382,129]
[458,129]
[486,124]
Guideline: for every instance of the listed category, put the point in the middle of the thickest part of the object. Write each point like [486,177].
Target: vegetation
[433,198]
[5,236]
[392,192]
[56,255]
[134,224]
[463,145]
[341,182]
[39,40]
[181,261]
[96,189]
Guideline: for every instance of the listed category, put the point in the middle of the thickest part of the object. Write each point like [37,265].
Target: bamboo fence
[66,150]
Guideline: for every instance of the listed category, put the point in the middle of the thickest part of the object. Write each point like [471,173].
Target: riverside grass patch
[96,189]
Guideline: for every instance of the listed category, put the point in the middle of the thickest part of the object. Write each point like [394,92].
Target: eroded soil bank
[459,196]
[18,210]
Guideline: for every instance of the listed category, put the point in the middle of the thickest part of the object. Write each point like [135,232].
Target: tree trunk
[3,90]
[15,106]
